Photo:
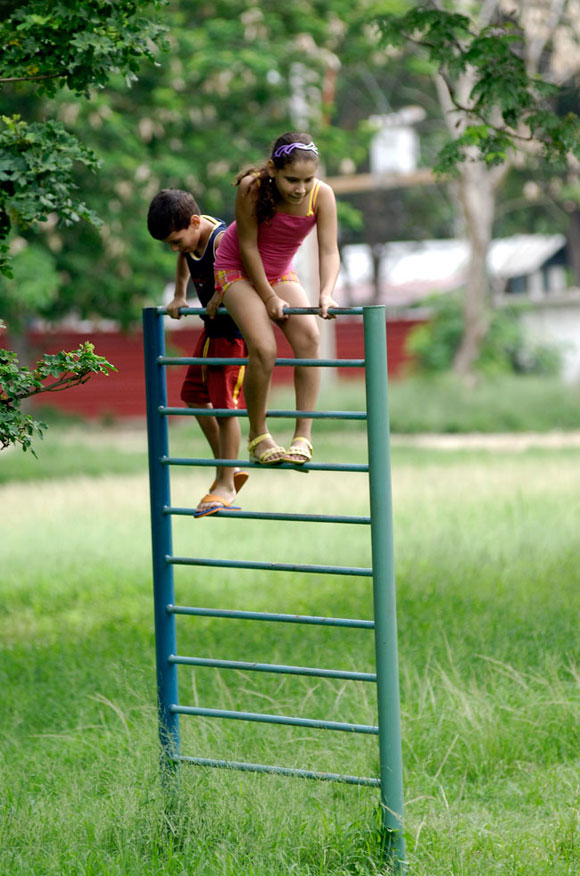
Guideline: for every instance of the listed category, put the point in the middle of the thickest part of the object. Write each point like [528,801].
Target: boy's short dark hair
[170,210]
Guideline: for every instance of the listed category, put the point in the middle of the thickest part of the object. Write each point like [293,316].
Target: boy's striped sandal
[265,457]
[300,451]
[213,503]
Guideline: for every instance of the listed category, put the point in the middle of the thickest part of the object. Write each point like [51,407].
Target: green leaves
[505,108]
[17,383]
[492,146]
[33,290]
[77,43]
[36,165]
[440,32]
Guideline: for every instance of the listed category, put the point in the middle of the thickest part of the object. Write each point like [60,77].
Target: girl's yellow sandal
[299,453]
[265,457]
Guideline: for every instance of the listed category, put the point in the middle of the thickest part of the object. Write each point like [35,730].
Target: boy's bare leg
[229,448]
[223,436]
[210,428]
[304,337]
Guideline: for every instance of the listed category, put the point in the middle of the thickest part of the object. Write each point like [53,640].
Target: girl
[276,206]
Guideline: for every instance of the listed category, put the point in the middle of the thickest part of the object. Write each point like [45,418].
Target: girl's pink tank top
[278,241]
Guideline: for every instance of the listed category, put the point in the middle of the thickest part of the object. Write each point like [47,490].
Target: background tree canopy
[231,77]
[52,45]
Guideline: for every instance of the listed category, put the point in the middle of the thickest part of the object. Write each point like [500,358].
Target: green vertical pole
[384,595]
[161,541]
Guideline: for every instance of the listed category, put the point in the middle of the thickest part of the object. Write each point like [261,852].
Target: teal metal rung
[278,771]
[270,567]
[231,614]
[275,515]
[245,463]
[201,311]
[274,668]
[283,363]
[264,718]
[242,412]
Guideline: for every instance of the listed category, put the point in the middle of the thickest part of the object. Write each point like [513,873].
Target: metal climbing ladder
[384,624]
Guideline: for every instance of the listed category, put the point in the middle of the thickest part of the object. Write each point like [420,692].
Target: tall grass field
[487,555]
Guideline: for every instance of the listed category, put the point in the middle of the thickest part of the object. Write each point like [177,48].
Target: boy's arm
[180,294]
[247,227]
[328,255]
[215,301]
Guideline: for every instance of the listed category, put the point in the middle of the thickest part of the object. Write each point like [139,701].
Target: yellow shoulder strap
[313,196]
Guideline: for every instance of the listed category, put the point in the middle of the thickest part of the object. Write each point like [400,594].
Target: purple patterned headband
[290,147]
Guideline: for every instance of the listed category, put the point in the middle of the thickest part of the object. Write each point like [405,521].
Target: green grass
[437,404]
[444,403]
[488,603]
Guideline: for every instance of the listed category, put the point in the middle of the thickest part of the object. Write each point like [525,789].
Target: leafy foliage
[76,44]
[53,373]
[505,349]
[228,88]
[506,107]
[69,44]
[36,161]
[32,290]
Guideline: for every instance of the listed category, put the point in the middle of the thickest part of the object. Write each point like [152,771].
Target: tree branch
[31,78]
[64,382]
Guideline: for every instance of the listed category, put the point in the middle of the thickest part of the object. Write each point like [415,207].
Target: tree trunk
[478,183]
[376,253]
[574,244]
[477,188]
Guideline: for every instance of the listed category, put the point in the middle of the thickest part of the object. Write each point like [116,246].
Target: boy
[174,217]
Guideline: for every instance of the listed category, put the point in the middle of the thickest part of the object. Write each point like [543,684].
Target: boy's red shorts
[218,385]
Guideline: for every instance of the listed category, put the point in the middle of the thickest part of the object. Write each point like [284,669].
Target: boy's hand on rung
[212,305]
[173,307]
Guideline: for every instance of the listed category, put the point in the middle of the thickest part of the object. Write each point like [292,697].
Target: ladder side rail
[384,594]
[161,537]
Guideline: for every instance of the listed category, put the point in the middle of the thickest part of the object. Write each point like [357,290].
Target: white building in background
[410,271]
[526,267]
[395,146]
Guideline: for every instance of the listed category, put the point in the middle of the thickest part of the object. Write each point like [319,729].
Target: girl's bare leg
[247,309]
[304,337]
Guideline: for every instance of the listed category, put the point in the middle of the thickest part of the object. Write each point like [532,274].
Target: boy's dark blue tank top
[202,277]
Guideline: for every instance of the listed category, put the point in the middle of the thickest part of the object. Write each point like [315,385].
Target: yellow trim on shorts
[239,384]
[204,354]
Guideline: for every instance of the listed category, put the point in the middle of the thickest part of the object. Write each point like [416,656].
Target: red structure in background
[121,394]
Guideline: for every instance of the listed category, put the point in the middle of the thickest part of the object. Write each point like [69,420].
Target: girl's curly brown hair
[267,195]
